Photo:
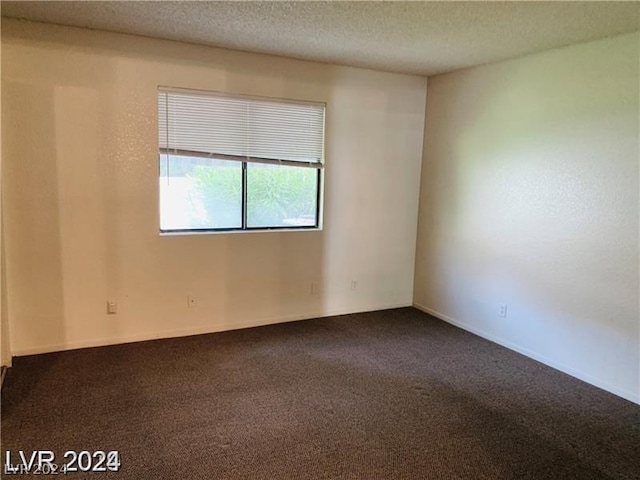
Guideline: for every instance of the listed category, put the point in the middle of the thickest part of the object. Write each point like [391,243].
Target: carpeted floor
[393,394]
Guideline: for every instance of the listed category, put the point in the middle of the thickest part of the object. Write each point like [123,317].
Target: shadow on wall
[31,213]
[63,259]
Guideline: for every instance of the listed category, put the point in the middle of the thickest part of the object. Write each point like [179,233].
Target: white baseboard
[627,395]
[186,332]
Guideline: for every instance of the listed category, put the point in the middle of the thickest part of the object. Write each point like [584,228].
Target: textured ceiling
[413,37]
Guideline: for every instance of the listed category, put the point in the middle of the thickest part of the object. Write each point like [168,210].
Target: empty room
[320,240]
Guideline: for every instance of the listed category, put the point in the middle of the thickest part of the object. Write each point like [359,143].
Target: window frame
[244,227]
[319,183]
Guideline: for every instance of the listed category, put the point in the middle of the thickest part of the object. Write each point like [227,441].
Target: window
[238,163]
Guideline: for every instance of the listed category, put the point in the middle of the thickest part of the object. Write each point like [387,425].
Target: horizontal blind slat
[241,127]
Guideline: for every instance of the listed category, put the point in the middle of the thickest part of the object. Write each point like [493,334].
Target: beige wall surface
[5,350]
[81,190]
[529,199]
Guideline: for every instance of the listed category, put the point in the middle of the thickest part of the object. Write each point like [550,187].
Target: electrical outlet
[354,284]
[503,311]
[192,301]
[112,307]
[314,288]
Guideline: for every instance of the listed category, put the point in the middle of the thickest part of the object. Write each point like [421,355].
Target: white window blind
[248,129]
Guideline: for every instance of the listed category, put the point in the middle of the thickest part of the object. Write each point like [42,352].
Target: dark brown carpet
[393,394]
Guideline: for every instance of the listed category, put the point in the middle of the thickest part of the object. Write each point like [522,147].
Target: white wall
[81,214]
[529,198]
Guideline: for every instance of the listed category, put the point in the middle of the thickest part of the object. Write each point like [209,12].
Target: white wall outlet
[354,284]
[503,311]
[112,307]
[192,301]
[314,288]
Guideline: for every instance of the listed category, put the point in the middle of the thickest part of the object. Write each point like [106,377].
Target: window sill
[233,232]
